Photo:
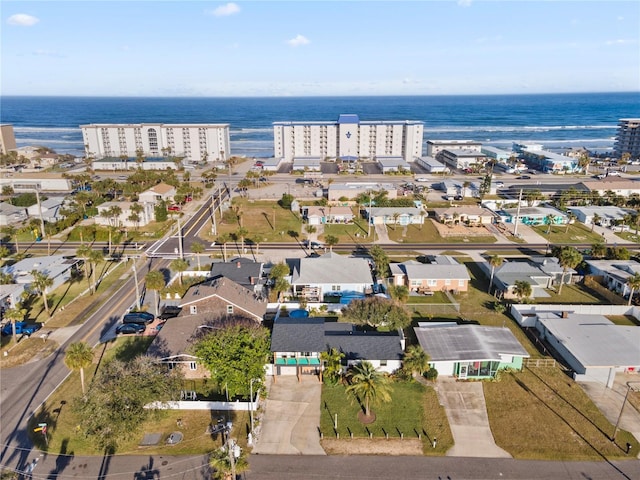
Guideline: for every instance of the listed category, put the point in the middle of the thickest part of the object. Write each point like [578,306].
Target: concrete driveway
[291,417]
[467,414]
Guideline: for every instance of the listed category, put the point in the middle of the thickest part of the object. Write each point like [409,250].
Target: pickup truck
[22,328]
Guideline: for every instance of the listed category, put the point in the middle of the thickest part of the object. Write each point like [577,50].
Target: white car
[614,173]
[422,179]
[499,184]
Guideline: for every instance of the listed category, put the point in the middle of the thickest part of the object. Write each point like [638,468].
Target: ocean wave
[515,128]
[45,129]
[250,130]
[45,141]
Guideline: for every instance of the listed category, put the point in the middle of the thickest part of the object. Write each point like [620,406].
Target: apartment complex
[7,138]
[194,142]
[348,139]
[628,137]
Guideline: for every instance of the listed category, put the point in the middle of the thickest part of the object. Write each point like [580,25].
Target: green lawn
[428,233]
[355,232]
[575,233]
[414,409]
[571,294]
[542,414]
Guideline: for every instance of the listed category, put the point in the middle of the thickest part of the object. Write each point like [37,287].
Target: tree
[368,385]
[332,363]
[198,249]
[41,282]
[15,314]
[84,253]
[224,239]
[331,241]
[571,217]
[415,360]
[568,257]
[135,217]
[179,265]
[225,468]
[279,270]
[598,250]
[6,278]
[549,219]
[495,261]
[118,400]
[595,220]
[400,293]
[4,252]
[522,289]
[377,312]
[240,234]
[381,260]
[78,357]
[634,284]
[12,231]
[234,351]
[155,281]
[95,257]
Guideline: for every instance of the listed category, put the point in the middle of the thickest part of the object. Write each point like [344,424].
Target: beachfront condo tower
[195,142]
[628,137]
[348,139]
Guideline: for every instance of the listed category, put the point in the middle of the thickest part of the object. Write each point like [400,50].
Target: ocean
[557,121]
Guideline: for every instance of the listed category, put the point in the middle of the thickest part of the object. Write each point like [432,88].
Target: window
[193,309]
[335,288]
[432,282]
[229,309]
[447,281]
[193,366]
[171,365]
[461,283]
[383,363]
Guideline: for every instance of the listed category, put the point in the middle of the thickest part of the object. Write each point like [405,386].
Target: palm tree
[598,250]
[136,210]
[12,231]
[495,261]
[41,282]
[522,289]
[197,248]
[368,385]
[634,285]
[415,360]
[95,257]
[595,220]
[395,217]
[571,217]
[224,239]
[4,252]
[400,293]
[310,229]
[226,465]
[241,233]
[77,357]
[332,361]
[15,314]
[84,253]
[549,219]
[568,257]
[155,281]
[179,265]
[331,240]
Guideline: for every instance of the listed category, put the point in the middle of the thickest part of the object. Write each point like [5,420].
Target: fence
[204,405]
[426,309]
[540,363]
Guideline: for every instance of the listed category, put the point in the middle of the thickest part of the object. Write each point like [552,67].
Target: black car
[130,329]
[169,311]
[524,177]
[138,317]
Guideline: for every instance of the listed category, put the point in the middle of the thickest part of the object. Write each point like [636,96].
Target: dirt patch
[375,446]
[460,230]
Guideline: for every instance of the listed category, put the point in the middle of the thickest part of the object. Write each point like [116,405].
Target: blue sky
[303,48]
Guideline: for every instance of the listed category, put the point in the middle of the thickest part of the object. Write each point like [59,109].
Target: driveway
[467,414]
[291,417]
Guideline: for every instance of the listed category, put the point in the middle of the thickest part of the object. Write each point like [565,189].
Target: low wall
[202,405]
[526,314]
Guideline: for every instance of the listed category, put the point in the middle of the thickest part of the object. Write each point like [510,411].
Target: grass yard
[575,233]
[572,295]
[65,437]
[355,232]
[428,233]
[543,414]
[414,409]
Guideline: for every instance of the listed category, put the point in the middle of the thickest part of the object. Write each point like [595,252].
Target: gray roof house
[615,273]
[57,267]
[331,273]
[395,215]
[442,273]
[296,344]
[243,271]
[469,351]
[205,304]
[10,214]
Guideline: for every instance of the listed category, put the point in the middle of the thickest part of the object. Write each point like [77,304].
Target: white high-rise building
[348,139]
[628,137]
[195,142]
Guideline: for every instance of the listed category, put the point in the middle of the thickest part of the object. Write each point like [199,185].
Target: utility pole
[180,240]
[213,215]
[135,279]
[515,228]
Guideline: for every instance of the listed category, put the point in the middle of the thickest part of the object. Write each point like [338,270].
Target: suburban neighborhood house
[296,344]
[539,272]
[57,267]
[204,304]
[443,273]
[329,274]
[395,215]
[350,190]
[469,351]
[157,193]
[614,273]
[616,185]
[315,215]
[605,216]
[243,271]
[127,217]
[466,214]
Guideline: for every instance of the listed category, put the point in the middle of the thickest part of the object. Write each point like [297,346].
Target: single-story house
[496,153]
[296,344]
[617,185]
[605,215]
[550,162]
[158,192]
[271,164]
[44,182]
[329,274]
[450,187]
[469,215]
[10,295]
[593,346]
[431,165]
[10,214]
[317,215]
[533,216]
[395,215]
[243,271]
[442,273]
[203,305]
[469,351]
[306,164]
[57,267]
[125,218]
[614,273]
[50,209]
[436,146]
[462,158]
[393,164]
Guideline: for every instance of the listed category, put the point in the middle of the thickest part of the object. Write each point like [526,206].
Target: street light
[630,388]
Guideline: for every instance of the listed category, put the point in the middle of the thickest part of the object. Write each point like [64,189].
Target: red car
[173,208]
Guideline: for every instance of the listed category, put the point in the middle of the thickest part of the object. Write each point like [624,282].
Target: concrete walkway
[467,414]
[609,401]
[291,417]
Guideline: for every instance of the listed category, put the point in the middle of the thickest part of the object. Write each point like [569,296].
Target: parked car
[499,184]
[173,208]
[138,317]
[169,311]
[614,173]
[422,179]
[22,328]
[130,329]
[524,177]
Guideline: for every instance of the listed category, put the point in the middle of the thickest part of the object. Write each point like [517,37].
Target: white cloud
[619,41]
[464,3]
[22,20]
[298,40]
[47,53]
[225,10]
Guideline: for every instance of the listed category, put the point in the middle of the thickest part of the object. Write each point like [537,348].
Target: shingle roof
[330,268]
[468,342]
[161,188]
[243,271]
